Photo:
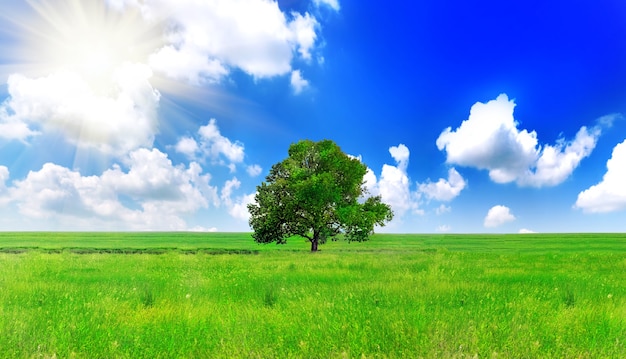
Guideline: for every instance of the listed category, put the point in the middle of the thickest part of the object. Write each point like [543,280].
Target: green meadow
[217,295]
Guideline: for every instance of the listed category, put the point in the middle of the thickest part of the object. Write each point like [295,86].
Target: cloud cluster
[610,194]
[206,39]
[152,194]
[497,216]
[122,119]
[396,189]
[490,139]
[393,185]
[211,144]
[238,207]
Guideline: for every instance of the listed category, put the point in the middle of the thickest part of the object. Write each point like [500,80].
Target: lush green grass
[517,296]
[152,242]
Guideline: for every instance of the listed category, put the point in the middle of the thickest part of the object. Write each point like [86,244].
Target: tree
[317,193]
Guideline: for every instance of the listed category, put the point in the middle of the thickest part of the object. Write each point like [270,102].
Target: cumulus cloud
[204,40]
[490,139]
[444,228]
[227,190]
[303,29]
[394,185]
[610,194]
[497,216]
[14,129]
[395,188]
[297,82]
[115,121]
[401,155]
[187,146]
[213,145]
[152,194]
[239,208]
[153,178]
[254,170]
[444,190]
[185,64]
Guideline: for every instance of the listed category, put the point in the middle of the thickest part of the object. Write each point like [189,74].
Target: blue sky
[166,115]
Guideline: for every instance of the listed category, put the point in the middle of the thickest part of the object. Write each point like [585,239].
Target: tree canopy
[317,193]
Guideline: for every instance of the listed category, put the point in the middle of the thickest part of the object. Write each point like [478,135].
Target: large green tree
[317,193]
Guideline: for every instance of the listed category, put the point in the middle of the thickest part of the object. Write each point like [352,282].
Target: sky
[164,115]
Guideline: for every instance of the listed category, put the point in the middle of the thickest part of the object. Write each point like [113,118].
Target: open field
[134,295]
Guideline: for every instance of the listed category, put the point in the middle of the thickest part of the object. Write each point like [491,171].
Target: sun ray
[86,62]
[85,36]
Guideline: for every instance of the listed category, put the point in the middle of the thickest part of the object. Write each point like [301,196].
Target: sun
[87,37]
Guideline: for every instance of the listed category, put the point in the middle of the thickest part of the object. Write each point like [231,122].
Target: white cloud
[152,178]
[489,139]
[152,194]
[239,208]
[228,189]
[442,209]
[57,190]
[187,65]
[526,231]
[205,39]
[498,215]
[444,228]
[297,82]
[394,185]
[401,154]
[444,190]
[121,118]
[610,194]
[333,4]
[213,145]
[254,170]
[558,162]
[187,146]
[370,182]
[303,29]
[12,129]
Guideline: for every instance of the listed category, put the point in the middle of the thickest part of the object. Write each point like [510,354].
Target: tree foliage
[317,193]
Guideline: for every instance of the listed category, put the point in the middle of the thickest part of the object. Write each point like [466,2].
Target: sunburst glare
[88,36]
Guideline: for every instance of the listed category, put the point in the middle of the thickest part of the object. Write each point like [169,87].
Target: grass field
[164,295]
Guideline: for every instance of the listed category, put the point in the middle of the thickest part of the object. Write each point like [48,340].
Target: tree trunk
[314,242]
